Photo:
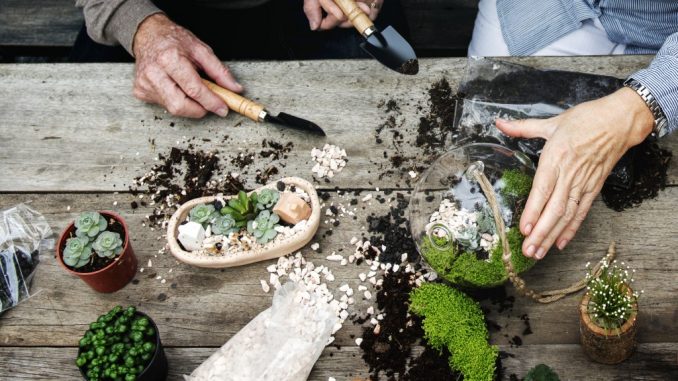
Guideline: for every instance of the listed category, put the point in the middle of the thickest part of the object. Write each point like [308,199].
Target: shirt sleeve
[115,22]
[661,78]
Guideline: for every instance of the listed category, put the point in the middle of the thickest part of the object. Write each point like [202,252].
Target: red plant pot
[112,277]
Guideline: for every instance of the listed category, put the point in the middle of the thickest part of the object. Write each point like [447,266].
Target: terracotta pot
[112,277]
[603,345]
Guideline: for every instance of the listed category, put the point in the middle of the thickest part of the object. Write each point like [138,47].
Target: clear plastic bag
[282,343]
[496,89]
[24,235]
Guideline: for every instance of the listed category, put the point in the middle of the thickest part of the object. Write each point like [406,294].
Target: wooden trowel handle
[237,102]
[355,15]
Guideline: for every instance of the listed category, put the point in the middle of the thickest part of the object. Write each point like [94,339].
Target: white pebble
[264,285]
[358,341]
[368,295]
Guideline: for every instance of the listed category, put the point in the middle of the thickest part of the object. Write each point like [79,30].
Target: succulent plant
[89,224]
[108,244]
[203,214]
[224,225]
[263,227]
[485,220]
[267,198]
[468,237]
[242,208]
[77,252]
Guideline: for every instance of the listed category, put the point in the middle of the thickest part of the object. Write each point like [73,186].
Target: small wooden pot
[112,277]
[603,345]
[269,251]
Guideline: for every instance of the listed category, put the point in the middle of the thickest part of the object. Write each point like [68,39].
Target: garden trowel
[386,46]
[258,113]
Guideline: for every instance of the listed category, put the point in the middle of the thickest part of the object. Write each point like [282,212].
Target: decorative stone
[191,235]
[291,208]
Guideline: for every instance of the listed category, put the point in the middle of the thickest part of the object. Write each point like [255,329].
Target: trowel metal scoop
[386,46]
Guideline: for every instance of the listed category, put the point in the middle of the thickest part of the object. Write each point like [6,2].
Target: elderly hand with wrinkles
[168,58]
[335,17]
[583,145]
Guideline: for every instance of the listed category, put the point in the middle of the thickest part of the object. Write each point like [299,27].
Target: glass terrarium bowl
[452,222]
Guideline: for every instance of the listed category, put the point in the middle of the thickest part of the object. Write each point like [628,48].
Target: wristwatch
[661,124]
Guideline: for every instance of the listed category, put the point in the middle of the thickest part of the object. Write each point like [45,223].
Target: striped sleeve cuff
[661,78]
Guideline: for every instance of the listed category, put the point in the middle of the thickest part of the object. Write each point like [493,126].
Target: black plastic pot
[157,369]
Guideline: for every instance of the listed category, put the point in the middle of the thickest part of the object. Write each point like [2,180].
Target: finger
[569,232]
[542,188]
[526,128]
[187,78]
[573,204]
[369,10]
[172,98]
[332,9]
[313,13]
[206,60]
[535,244]
[329,22]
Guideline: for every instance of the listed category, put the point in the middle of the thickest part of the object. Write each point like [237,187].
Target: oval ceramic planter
[269,251]
[112,277]
[603,345]
[157,368]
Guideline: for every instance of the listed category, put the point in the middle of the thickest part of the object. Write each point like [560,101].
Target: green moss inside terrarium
[467,270]
[516,183]
[454,321]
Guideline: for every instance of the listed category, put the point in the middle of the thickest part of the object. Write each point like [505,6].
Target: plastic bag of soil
[496,89]
[282,343]
[24,235]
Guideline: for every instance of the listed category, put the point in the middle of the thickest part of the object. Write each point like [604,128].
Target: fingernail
[222,111]
[528,229]
[530,251]
[540,253]
[313,24]
[562,244]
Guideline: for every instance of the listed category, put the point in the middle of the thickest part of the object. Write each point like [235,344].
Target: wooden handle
[237,102]
[355,15]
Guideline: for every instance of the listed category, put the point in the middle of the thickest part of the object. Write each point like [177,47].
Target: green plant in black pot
[122,345]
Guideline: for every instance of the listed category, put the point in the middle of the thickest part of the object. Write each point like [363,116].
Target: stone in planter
[292,209]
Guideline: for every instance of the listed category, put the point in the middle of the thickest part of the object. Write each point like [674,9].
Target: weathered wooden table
[72,138]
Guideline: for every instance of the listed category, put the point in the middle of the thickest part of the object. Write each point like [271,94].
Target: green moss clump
[467,270]
[455,321]
[516,183]
[541,372]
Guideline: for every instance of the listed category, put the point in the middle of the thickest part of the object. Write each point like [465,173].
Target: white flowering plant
[612,299]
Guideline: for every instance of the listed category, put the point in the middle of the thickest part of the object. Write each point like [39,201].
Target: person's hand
[335,17]
[168,58]
[583,145]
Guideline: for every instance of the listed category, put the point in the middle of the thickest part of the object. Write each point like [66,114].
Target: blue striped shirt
[644,26]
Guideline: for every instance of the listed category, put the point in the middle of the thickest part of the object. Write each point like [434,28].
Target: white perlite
[457,221]
[328,161]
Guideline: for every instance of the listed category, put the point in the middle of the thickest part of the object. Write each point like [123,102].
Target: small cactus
[263,227]
[77,252]
[108,244]
[89,225]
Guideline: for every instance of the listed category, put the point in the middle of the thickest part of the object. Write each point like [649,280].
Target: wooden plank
[649,362]
[44,23]
[205,307]
[50,112]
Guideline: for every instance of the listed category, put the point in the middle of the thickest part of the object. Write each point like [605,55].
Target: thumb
[525,128]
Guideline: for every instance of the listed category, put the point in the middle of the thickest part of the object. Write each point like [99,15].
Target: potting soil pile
[24,234]
[280,344]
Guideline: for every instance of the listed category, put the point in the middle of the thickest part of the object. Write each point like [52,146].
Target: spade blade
[392,50]
[292,121]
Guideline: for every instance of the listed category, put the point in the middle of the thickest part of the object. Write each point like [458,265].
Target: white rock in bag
[282,343]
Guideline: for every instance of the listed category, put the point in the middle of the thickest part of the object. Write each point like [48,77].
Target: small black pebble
[162,297]
[218,205]
[218,245]
[171,124]
[134,205]
[281,186]
[135,281]
[334,210]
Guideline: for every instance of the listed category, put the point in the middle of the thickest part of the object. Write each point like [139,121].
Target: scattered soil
[649,165]
[409,67]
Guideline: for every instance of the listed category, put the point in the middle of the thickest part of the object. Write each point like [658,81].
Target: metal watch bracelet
[661,124]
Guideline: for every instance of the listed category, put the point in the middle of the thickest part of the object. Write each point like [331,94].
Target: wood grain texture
[204,307]
[56,121]
[650,362]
